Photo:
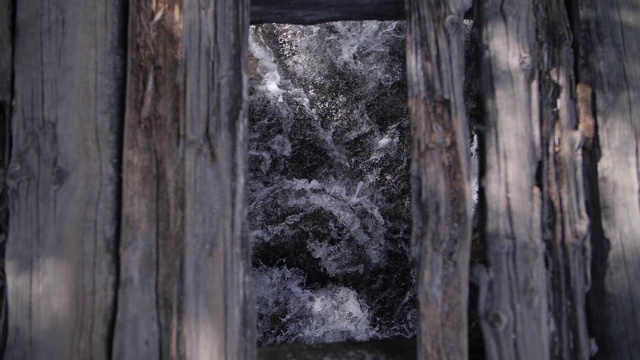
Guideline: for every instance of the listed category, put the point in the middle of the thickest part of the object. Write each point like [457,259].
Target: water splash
[329,314]
[329,184]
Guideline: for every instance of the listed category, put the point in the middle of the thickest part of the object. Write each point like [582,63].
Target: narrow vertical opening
[329,205]
[329,190]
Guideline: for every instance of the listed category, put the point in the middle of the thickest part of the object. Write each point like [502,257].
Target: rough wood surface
[63,179]
[565,223]
[609,53]
[441,203]
[6,54]
[6,82]
[512,289]
[317,11]
[218,296]
[151,245]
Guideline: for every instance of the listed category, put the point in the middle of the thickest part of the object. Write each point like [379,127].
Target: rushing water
[329,183]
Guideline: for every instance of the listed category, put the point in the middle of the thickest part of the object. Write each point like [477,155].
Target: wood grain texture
[6,83]
[565,222]
[512,289]
[6,52]
[218,296]
[317,11]
[63,179]
[609,52]
[151,245]
[441,203]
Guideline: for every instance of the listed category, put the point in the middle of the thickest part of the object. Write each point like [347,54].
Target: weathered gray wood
[6,55]
[151,244]
[63,179]
[564,216]
[441,203]
[218,295]
[6,81]
[317,11]
[609,53]
[513,290]
[185,288]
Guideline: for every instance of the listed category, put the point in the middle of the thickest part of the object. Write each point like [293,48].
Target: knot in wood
[453,25]
[17,172]
[526,62]
[497,319]
[60,175]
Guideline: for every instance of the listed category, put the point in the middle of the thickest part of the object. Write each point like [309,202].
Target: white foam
[267,67]
[331,314]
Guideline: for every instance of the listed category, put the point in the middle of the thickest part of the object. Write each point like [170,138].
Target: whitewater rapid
[329,203]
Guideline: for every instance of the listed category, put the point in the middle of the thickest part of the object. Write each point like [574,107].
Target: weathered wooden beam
[441,202]
[6,82]
[185,288]
[608,52]
[219,306]
[6,56]
[64,179]
[564,216]
[512,289]
[317,11]
[152,231]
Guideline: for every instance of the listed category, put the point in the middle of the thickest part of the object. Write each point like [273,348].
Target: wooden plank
[6,53]
[390,349]
[441,190]
[151,245]
[513,293]
[564,216]
[63,179]
[218,292]
[317,11]
[185,287]
[6,82]
[609,53]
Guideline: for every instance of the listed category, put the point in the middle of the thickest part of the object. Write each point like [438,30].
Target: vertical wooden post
[63,179]
[441,202]
[6,82]
[513,290]
[565,223]
[151,245]
[185,288]
[609,52]
[218,297]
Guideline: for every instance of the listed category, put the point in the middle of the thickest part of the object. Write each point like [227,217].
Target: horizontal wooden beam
[308,12]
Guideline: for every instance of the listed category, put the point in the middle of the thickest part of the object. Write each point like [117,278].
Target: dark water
[329,183]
